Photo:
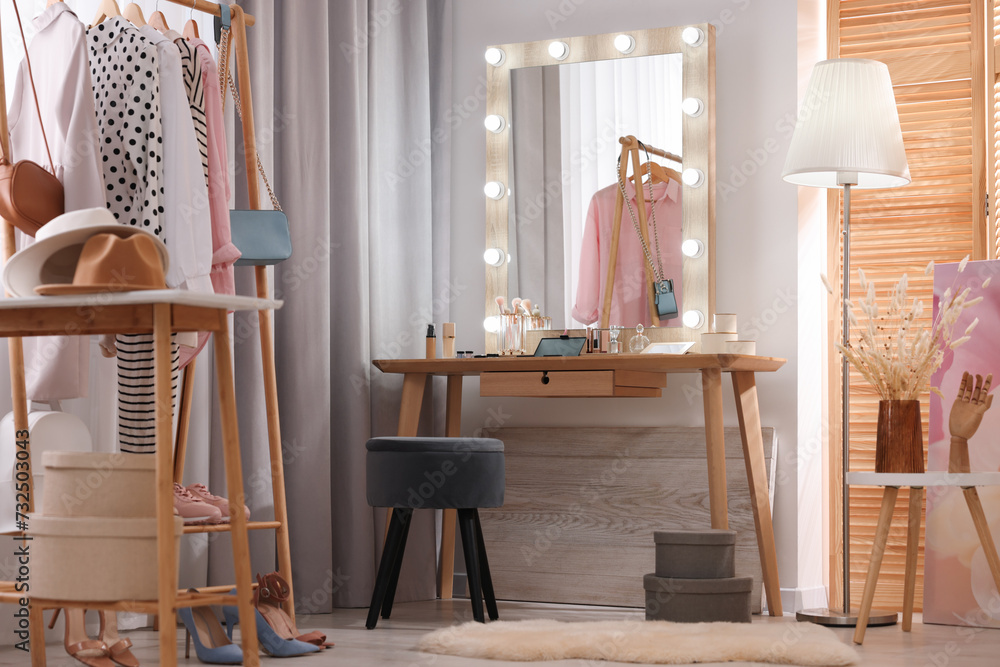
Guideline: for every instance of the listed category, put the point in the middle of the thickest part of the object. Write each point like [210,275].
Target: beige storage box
[85,558]
[91,484]
[50,430]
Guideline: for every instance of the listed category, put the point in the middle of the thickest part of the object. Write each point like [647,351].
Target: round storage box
[95,558]
[697,600]
[695,554]
[91,484]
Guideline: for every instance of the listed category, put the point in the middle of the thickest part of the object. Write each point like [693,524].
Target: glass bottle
[638,342]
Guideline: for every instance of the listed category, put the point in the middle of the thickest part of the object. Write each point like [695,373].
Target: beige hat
[52,258]
[109,263]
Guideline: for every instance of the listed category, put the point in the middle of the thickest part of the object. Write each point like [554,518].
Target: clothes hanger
[133,13]
[658,172]
[191,27]
[51,2]
[106,10]
[158,20]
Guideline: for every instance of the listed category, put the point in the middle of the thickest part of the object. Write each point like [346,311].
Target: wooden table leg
[409,407]
[912,543]
[237,498]
[453,429]
[409,417]
[983,528]
[166,554]
[875,564]
[36,641]
[748,412]
[715,447]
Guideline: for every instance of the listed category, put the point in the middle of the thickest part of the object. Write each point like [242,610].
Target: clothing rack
[164,607]
[630,149]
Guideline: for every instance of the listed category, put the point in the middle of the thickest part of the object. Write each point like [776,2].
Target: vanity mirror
[556,111]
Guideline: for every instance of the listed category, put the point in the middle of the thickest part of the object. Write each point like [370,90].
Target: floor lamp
[847,136]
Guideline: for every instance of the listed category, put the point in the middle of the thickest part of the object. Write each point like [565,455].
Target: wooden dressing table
[612,375]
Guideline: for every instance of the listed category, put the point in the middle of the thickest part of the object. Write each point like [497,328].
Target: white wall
[757,233]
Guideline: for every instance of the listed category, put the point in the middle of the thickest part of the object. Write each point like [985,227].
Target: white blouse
[56,367]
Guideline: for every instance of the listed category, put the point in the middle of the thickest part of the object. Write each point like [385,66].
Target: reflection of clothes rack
[630,149]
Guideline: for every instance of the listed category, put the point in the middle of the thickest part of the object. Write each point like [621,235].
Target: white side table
[968,481]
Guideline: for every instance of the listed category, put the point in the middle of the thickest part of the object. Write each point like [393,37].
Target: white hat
[52,258]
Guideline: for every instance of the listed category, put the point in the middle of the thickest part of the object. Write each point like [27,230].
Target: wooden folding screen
[935,50]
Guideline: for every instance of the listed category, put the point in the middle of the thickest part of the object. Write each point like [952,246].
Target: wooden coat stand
[161,315]
[630,150]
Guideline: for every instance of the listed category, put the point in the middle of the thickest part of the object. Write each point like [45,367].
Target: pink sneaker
[194,510]
[201,492]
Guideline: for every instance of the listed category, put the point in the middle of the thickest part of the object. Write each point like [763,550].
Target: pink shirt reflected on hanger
[629,301]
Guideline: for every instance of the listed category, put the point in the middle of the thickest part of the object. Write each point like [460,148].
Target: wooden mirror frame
[698,219]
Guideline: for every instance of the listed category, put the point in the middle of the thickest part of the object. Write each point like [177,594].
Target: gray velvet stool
[436,473]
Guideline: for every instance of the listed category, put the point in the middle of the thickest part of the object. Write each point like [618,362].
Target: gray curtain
[349,101]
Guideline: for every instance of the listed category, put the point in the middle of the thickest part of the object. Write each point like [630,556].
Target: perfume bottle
[638,342]
[614,333]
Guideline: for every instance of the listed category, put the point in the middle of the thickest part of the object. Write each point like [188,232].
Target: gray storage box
[695,554]
[697,600]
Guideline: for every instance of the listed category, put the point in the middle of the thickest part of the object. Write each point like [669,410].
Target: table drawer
[571,384]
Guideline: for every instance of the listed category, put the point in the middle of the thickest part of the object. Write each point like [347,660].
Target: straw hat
[52,259]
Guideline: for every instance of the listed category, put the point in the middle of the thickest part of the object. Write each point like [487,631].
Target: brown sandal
[91,652]
[118,648]
[272,591]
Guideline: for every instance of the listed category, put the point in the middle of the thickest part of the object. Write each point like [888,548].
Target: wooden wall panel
[582,504]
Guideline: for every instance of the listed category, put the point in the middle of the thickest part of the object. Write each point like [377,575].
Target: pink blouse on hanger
[224,253]
[628,306]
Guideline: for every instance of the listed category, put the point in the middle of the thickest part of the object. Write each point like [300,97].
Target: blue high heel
[270,641]
[210,643]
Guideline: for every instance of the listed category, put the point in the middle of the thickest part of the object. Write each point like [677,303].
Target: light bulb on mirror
[625,43]
[693,177]
[693,107]
[495,123]
[494,256]
[494,190]
[558,50]
[693,319]
[495,56]
[693,36]
[492,323]
[693,248]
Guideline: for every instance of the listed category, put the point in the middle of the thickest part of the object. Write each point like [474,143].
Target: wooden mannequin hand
[969,407]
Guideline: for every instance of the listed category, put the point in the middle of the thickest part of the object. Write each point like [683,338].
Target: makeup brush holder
[511,334]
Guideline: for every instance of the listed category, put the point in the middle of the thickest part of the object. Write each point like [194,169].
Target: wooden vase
[899,440]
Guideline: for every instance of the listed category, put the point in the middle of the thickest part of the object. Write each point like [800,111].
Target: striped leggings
[137,392]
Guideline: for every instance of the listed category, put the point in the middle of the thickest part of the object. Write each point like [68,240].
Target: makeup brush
[526,304]
[500,305]
[514,303]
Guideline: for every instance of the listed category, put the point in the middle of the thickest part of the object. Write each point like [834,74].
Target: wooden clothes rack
[630,150]
[162,318]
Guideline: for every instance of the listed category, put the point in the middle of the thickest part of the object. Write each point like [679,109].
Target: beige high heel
[92,652]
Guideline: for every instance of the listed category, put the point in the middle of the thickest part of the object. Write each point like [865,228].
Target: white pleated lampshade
[848,129]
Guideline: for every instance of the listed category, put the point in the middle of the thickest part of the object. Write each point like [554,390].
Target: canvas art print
[958,588]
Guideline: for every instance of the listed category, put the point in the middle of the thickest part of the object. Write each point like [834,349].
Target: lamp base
[841,619]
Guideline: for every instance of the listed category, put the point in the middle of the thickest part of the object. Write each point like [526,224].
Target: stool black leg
[393,544]
[467,524]
[484,571]
[390,594]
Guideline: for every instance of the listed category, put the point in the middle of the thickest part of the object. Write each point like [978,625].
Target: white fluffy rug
[651,642]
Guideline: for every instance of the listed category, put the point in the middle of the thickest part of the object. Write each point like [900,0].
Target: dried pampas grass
[894,352]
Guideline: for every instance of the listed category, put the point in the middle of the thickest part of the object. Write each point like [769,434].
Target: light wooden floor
[391,643]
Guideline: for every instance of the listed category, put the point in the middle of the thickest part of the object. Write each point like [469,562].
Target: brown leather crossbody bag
[30,195]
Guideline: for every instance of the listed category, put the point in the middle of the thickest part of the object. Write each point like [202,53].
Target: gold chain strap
[226,77]
[635,220]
